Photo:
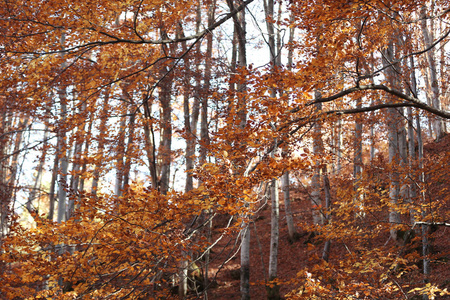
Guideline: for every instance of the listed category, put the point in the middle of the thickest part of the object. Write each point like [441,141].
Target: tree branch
[413,101]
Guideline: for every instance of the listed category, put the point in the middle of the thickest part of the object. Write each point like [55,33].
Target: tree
[111,98]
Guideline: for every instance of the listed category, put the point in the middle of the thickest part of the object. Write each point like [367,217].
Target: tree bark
[273,291]
[327,189]
[358,162]
[432,71]
[393,127]
[316,199]
[166,124]
[241,87]
[101,140]
[120,153]
[76,165]
[38,178]
[62,148]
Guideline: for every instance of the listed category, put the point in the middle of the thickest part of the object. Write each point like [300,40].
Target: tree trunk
[338,146]
[129,151]
[316,200]
[357,162]
[190,132]
[150,143]
[4,205]
[273,290]
[9,169]
[76,165]
[424,227]
[38,178]
[285,186]
[102,133]
[327,188]
[166,124]
[285,182]
[245,262]
[86,151]
[393,129]
[204,136]
[432,71]
[241,87]
[120,153]
[52,194]
[62,148]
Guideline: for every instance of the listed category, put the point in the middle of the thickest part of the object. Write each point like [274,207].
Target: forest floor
[292,257]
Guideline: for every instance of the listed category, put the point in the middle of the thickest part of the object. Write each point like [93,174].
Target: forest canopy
[142,140]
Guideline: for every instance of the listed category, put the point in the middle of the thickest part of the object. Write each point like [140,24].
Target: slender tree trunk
[190,136]
[316,200]
[411,141]
[101,140]
[273,291]
[327,189]
[285,186]
[204,135]
[62,148]
[76,165]
[86,151]
[292,231]
[38,178]
[432,72]
[4,205]
[393,126]
[241,87]
[52,193]
[120,153]
[8,174]
[14,163]
[338,146]
[190,132]
[357,162]
[150,144]
[245,262]
[129,152]
[425,242]
[443,70]
[394,217]
[166,144]
[166,124]
[424,227]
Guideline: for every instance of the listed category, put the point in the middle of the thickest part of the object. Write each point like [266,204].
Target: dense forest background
[230,149]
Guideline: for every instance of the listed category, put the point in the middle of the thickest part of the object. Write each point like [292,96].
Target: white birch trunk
[245,262]
[62,149]
[292,231]
[285,186]
[273,292]
[120,155]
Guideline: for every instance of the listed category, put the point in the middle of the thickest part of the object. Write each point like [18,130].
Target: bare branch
[413,101]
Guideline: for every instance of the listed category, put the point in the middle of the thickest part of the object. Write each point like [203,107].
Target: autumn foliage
[140,140]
